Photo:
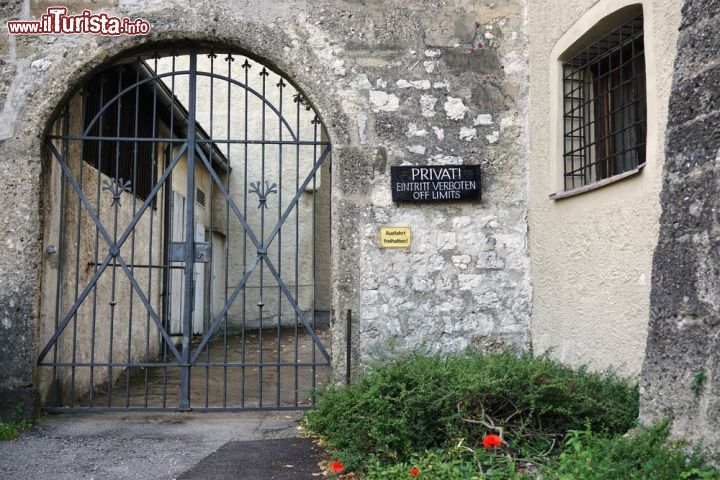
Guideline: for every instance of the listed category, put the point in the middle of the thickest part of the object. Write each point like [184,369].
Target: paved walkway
[246,446]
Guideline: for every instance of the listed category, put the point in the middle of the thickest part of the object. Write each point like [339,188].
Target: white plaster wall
[592,253]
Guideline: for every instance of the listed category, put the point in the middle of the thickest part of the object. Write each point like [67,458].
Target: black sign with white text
[437,183]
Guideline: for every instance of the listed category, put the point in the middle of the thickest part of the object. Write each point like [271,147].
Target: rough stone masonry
[681,372]
[400,82]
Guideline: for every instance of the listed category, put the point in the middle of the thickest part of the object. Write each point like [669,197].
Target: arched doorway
[188,225]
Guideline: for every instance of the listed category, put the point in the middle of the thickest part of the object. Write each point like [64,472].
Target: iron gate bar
[61,242]
[229,60]
[115,204]
[212,57]
[315,121]
[114,248]
[97,257]
[196,364]
[260,303]
[132,241]
[297,240]
[267,408]
[189,241]
[280,86]
[172,133]
[66,131]
[180,140]
[246,68]
[153,171]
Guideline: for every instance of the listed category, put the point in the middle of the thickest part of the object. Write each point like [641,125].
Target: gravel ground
[137,446]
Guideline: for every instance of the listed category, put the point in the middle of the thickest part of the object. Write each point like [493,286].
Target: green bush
[455,463]
[645,455]
[419,403]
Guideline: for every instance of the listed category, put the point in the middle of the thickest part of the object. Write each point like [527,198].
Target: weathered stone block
[39,7]
[355,173]
[11,9]
[701,51]
[449,29]
[692,142]
[482,61]
[698,10]
[697,95]
[19,402]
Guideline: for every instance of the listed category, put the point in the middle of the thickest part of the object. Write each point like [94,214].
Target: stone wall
[681,372]
[395,82]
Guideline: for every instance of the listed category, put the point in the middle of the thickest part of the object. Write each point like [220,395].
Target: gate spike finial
[264,72]
[281,84]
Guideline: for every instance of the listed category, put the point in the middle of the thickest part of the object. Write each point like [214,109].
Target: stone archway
[84,55]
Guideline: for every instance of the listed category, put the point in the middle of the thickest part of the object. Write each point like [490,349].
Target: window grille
[604,109]
[122,120]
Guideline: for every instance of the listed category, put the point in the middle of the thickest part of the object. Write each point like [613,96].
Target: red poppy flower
[415,472]
[492,441]
[336,466]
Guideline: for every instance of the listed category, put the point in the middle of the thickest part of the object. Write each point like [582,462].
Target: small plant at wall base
[476,416]
[698,382]
[10,430]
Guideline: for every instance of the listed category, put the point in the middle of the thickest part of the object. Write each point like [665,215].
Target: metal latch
[202,252]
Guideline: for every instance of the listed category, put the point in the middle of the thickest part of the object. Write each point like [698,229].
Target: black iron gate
[187,240]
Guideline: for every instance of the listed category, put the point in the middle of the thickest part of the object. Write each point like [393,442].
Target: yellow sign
[395,237]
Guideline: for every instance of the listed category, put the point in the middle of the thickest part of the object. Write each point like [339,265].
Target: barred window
[605,117]
[121,157]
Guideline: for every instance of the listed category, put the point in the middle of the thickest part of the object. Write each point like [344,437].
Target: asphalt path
[243,446]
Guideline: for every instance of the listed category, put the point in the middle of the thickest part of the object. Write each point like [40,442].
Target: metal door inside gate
[186,236]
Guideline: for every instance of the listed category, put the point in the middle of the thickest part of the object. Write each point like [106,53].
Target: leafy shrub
[645,455]
[455,463]
[419,403]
